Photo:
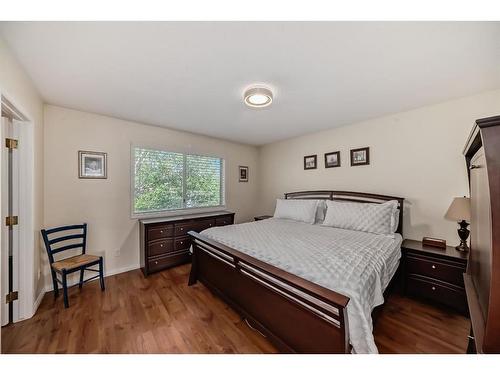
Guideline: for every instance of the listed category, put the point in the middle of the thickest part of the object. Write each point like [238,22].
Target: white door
[10,234]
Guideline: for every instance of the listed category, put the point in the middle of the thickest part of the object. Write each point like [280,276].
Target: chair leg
[80,284]
[54,283]
[101,274]
[65,290]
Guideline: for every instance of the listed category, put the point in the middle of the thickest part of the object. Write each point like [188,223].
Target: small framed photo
[360,156]
[310,162]
[332,159]
[243,173]
[92,164]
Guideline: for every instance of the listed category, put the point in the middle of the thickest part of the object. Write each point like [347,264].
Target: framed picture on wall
[360,156]
[310,162]
[92,164]
[243,173]
[332,159]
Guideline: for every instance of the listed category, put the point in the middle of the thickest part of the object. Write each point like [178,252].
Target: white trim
[122,270]
[4,310]
[38,301]
[25,259]
[178,212]
[26,221]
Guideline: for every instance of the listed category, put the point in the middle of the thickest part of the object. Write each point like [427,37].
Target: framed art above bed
[360,156]
[310,162]
[332,159]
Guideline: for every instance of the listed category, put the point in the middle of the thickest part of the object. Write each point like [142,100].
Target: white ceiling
[191,76]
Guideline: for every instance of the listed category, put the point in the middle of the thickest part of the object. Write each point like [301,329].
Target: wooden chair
[72,264]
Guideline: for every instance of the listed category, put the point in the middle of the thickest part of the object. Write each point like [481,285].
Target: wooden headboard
[352,197]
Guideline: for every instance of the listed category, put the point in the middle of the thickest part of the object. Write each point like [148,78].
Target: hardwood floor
[161,314]
[409,326]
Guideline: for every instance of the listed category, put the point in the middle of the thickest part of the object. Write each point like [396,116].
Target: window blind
[203,181]
[166,181]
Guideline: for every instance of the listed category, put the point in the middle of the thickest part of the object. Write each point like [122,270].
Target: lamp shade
[459,209]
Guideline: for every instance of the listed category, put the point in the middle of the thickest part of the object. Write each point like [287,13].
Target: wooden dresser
[482,280]
[164,241]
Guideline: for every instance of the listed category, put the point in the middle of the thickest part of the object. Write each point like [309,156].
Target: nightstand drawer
[439,292]
[449,272]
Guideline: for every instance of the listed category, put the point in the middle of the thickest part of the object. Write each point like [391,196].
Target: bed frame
[296,315]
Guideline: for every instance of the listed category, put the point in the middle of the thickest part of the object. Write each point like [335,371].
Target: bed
[306,287]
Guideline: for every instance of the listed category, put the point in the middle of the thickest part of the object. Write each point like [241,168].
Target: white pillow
[320,212]
[296,209]
[366,217]
[395,220]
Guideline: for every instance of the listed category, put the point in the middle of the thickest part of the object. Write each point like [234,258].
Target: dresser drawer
[204,224]
[438,292]
[224,220]
[182,243]
[166,261]
[435,268]
[159,247]
[181,229]
[161,231]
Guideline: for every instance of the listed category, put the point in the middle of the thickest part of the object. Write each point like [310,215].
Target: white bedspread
[356,264]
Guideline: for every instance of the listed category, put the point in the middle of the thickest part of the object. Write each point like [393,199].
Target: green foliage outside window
[169,181]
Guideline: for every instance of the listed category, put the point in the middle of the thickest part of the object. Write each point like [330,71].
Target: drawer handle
[161,245]
[433,267]
[161,231]
[156,262]
[182,228]
[433,288]
[182,242]
[209,225]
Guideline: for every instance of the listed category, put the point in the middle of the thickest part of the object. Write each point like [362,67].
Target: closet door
[480,253]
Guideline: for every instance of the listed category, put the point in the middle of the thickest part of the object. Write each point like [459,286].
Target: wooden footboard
[296,315]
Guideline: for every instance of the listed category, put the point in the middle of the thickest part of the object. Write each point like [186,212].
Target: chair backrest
[56,243]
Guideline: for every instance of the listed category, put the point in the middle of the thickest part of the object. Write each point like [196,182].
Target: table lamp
[460,211]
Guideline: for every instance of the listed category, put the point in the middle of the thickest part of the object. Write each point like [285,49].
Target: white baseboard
[38,301]
[121,270]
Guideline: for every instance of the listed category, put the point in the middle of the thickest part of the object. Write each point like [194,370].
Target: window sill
[180,212]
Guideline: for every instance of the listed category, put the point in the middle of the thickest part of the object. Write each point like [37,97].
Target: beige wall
[18,88]
[105,204]
[416,155]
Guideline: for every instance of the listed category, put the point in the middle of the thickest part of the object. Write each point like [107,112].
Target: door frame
[25,258]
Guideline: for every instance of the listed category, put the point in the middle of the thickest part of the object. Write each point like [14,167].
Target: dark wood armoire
[482,280]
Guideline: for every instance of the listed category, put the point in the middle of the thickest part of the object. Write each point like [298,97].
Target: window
[164,181]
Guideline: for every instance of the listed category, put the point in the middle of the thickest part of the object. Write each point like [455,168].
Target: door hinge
[11,297]
[11,220]
[11,143]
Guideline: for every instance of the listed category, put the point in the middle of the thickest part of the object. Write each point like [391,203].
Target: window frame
[175,211]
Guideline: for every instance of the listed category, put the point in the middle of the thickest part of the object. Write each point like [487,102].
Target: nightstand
[262,217]
[434,274]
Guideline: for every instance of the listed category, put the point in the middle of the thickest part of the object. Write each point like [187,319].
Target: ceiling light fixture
[258,97]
